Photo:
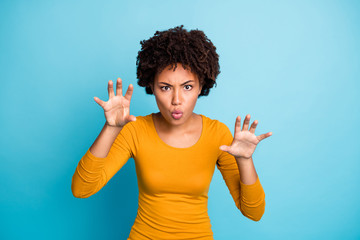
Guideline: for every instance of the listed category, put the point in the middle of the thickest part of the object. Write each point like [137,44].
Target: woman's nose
[176,98]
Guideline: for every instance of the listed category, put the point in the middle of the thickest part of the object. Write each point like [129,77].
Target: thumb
[224,148]
[99,101]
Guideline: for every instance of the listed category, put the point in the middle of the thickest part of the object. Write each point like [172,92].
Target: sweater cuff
[252,192]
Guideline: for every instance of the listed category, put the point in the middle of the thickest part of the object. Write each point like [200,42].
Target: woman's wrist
[110,128]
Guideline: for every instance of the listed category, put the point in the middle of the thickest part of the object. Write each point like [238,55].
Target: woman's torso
[173,183]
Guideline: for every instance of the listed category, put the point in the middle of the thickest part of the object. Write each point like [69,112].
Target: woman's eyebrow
[181,84]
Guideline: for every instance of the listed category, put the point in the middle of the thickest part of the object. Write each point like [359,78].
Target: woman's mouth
[176,114]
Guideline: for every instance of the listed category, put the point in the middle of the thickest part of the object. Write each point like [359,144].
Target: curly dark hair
[177,45]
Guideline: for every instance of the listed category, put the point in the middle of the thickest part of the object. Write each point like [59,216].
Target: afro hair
[177,45]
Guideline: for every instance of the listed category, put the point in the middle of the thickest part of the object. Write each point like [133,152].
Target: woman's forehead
[176,74]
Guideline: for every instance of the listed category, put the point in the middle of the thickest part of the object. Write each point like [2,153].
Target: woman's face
[176,93]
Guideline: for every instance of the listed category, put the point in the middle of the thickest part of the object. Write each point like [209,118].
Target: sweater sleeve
[249,199]
[93,173]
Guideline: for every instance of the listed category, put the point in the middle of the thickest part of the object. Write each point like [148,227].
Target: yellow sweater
[173,182]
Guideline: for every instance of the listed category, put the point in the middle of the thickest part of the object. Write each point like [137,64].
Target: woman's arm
[247,170]
[109,152]
[252,203]
[238,169]
[101,146]
[249,196]
[111,149]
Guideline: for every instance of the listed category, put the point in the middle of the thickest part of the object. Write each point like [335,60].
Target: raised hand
[245,141]
[117,108]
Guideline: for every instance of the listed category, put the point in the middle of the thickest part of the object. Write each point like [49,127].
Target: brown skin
[117,108]
[173,91]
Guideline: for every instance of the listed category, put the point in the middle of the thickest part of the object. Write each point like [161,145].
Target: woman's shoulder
[141,122]
[217,130]
[145,118]
[214,124]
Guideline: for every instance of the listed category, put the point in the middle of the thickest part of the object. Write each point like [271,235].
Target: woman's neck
[165,127]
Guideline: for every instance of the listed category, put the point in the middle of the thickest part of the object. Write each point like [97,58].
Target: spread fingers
[110,89]
[253,126]
[119,87]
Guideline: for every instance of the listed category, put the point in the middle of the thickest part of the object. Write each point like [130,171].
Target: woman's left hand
[245,141]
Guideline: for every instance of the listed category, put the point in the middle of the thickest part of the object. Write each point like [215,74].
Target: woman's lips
[176,114]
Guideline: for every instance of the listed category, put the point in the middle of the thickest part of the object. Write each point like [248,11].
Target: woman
[175,150]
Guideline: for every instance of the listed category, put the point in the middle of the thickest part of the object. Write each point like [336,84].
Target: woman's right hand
[117,108]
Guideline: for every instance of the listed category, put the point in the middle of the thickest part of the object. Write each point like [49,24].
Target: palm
[245,141]
[117,108]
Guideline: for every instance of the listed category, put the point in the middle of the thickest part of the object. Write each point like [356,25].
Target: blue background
[293,65]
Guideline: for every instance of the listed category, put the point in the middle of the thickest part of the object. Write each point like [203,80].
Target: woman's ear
[200,88]
[152,87]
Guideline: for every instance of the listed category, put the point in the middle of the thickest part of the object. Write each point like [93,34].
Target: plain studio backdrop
[293,65]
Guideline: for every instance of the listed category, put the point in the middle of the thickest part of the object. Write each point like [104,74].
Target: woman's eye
[166,88]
